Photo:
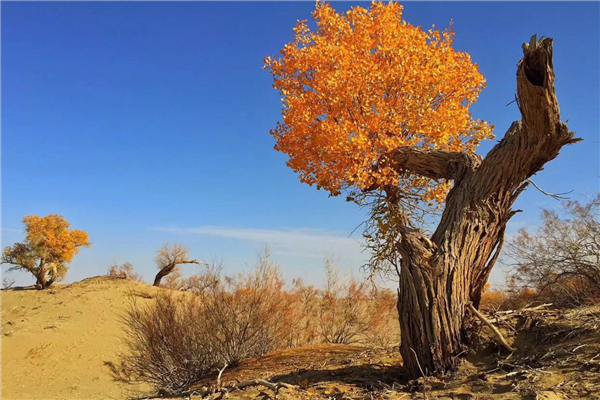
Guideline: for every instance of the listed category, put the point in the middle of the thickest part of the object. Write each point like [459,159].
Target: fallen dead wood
[504,315]
[525,309]
[492,327]
[223,392]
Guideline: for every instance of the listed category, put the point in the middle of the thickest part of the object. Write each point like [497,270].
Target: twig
[557,196]
[512,374]
[578,347]
[514,313]
[219,376]
[525,309]
[422,373]
[492,327]
[274,386]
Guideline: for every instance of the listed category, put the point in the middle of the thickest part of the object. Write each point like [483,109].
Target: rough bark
[42,281]
[440,276]
[168,269]
[41,275]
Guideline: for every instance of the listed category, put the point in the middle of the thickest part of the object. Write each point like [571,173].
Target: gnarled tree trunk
[441,275]
[43,281]
[162,273]
[166,270]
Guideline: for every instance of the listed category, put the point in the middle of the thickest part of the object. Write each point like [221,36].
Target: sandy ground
[55,342]
[54,345]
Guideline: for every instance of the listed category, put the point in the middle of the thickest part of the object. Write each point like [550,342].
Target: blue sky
[146,122]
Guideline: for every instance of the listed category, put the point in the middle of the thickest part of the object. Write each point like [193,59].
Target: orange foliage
[364,83]
[49,246]
[53,234]
[492,300]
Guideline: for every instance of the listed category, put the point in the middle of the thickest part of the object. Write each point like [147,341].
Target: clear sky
[146,122]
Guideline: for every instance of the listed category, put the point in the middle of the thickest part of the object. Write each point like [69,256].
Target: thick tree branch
[434,164]
[539,136]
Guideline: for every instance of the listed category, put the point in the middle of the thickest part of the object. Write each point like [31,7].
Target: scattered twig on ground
[274,386]
[219,376]
[504,315]
[422,373]
[492,327]
[578,347]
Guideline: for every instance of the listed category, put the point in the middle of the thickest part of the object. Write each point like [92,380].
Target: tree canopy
[48,247]
[364,88]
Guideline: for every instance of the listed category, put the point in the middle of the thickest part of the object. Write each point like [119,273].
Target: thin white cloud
[292,243]
[13,230]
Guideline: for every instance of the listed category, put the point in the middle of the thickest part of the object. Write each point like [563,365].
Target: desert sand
[55,342]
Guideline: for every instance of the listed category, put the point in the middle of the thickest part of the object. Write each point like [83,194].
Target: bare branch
[219,376]
[557,196]
[422,373]
[492,327]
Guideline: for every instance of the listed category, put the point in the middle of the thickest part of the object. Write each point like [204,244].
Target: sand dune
[55,342]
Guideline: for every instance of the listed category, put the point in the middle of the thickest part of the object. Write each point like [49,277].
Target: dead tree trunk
[441,275]
[162,273]
[168,269]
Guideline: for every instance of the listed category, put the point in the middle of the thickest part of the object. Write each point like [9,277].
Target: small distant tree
[124,271]
[561,259]
[48,247]
[169,257]
[7,283]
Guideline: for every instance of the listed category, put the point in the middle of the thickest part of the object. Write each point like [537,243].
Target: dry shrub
[170,346]
[560,259]
[247,312]
[383,329]
[492,299]
[123,271]
[518,298]
[570,292]
[342,314]
[224,319]
[174,280]
[181,337]
[7,283]
[305,301]
[345,312]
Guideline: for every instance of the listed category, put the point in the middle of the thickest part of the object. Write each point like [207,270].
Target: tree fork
[439,277]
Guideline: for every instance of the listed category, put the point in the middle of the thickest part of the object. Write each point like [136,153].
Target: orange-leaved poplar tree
[48,247]
[377,108]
